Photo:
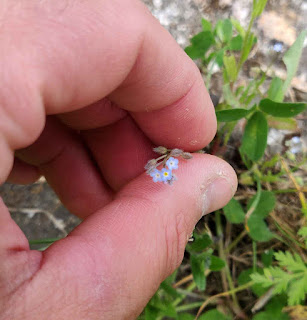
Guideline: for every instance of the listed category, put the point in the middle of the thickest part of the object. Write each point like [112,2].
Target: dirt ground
[37,210]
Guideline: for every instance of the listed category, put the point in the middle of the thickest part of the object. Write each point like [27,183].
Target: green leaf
[200,243]
[224,30]
[267,257]
[255,136]
[219,57]
[200,44]
[236,43]
[185,316]
[214,315]
[245,277]
[292,58]
[273,310]
[151,313]
[234,212]
[231,114]
[206,25]
[303,233]
[217,264]
[230,97]
[265,204]
[275,92]
[258,229]
[293,263]
[258,7]
[297,291]
[238,27]
[198,271]
[170,290]
[231,67]
[248,44]
[282,110]
[282,123]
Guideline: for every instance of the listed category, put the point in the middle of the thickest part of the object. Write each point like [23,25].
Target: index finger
[72,55]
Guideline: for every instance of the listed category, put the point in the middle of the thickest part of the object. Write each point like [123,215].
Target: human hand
[112,83]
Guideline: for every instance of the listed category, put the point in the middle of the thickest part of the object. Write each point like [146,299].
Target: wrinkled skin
[87,89]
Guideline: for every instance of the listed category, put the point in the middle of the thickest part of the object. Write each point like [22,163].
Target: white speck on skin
[193,142]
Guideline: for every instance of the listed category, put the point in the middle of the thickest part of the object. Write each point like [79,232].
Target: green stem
[235,241]
[254,256]
[225,272]
[189,306]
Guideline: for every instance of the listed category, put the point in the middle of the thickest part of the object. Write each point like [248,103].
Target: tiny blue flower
[172,163]
[166,175]
[156,175]
[278,46]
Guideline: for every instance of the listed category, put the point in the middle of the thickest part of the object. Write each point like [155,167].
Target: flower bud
[187,155]
[160,149]
[176,152]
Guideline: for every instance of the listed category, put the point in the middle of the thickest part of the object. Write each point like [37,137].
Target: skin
[87,89]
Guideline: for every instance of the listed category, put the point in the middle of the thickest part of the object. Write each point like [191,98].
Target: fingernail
[217,195]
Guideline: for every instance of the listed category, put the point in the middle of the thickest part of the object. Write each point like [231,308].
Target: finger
[120,150]
[23,173]
[96,115]
[68,168]
[87,56]
[131,245]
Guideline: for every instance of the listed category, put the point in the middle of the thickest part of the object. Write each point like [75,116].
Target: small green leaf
[267,257]
[282,123]
[238,27]
[217,263]
[275,92]
[255,136]
[231,115]
[234,212]
[200,45]
[265,204]
[151,313]
[200,243]
[250,41]
[206,25]
[273,310]
[214,315]
[231,67]
[258,7]
[224,30]
[245,277]
[282,110]
[198,271]
[258,229]
[292,58]
[297,291]
[236,43]
[185,316]
[229,96]
[170,290]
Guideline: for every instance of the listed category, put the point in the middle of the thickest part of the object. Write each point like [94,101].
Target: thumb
[115,260]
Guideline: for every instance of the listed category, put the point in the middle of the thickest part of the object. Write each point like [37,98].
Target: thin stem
[234,243]
[225,272]
[189,306]
[254,256]
[223,294]
[297,186]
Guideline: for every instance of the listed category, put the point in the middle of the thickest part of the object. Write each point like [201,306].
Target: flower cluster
[168,162]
